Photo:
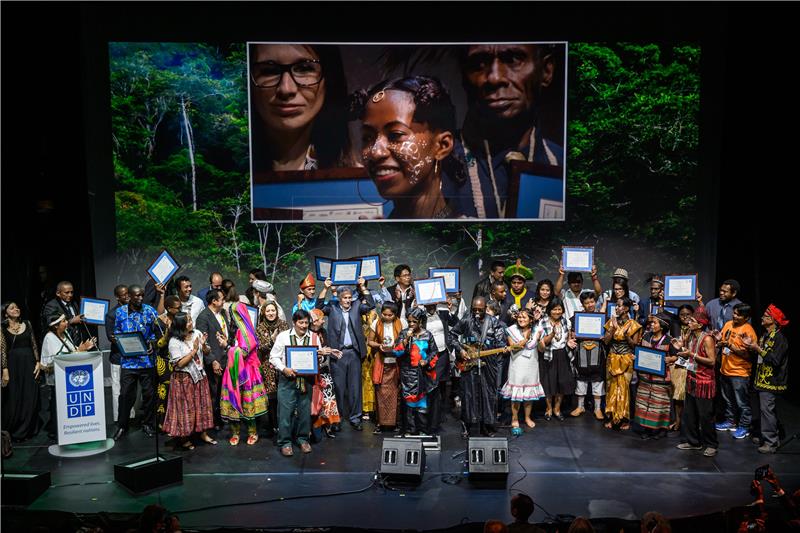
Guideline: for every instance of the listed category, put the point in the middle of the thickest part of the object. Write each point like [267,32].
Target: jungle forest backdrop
[181,174]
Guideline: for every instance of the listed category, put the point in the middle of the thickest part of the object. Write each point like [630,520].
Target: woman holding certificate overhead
[622,335]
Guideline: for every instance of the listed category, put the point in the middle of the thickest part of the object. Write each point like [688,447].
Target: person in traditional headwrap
[269,326]
[700,354]
[264,292]
[324,410]
[243,395]
[772,373]
[306,299]
[516,275]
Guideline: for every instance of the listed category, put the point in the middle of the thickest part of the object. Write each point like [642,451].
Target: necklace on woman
[14,327]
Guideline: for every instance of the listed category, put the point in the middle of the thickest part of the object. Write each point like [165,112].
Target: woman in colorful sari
[622,334]
[243,394]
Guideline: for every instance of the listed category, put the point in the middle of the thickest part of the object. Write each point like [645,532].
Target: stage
[573,467]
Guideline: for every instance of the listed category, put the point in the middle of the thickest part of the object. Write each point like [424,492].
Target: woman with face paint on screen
[407,144]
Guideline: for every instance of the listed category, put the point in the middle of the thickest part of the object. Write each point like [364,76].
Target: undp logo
[80,391]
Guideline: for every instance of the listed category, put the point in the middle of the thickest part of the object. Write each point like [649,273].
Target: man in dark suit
[63,304]
[345,334]
[212,321]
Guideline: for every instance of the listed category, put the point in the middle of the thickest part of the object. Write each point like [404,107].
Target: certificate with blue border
[680,288]
[430,291]
[94,310]
[650,360]
[345,272]
[302,359]
[370,266]
[253,312]
[451,276]
[131,344]
[322,267]
[589,325]
[577,258]
[163,268]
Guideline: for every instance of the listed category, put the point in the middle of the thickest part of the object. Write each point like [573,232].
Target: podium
[80,405]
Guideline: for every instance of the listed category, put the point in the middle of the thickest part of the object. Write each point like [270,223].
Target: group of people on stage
[401,365]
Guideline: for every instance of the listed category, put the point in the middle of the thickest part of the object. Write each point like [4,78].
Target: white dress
[523,371]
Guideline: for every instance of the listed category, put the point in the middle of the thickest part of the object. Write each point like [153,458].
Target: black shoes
[337,427]
[328,432]
[150,432]
[358,426]
[119,433]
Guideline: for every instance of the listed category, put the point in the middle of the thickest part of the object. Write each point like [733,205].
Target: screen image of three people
[404,134]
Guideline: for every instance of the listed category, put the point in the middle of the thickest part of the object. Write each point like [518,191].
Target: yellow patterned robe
[619,371]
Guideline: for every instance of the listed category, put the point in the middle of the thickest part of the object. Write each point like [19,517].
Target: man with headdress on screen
[504,84]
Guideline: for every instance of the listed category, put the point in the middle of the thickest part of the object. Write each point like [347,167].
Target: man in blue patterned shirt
[136,316]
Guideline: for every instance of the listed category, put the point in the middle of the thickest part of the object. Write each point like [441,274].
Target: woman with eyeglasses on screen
[298,101]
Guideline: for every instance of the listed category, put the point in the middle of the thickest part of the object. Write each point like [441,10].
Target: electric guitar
[474,354]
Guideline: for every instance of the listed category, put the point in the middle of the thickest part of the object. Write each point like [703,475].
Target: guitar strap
[484,330]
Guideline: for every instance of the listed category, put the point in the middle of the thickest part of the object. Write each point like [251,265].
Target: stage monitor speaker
[488,460]
[403,459]
[147,473]
[22,488]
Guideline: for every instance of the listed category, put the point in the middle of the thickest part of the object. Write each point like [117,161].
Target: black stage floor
[573,467]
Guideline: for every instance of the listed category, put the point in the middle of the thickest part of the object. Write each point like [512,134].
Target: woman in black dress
[20,387]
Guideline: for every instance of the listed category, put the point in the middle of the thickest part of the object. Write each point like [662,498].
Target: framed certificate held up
[451,276]
[430,291]
[163,268]
[345,272]
[589,325]
[302,359]
[131,344]
[94,310]
[253,312]
[322,267]
[577,258]
[680,288]
[370,267]
[650,360]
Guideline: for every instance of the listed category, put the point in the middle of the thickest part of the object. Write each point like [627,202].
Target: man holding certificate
[294,390]
[136,316]
[346,334]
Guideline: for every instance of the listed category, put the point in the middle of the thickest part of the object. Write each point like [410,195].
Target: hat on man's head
[308,281]
[655,278]
[518,270]
[262,286]
[620,273]
[316,314]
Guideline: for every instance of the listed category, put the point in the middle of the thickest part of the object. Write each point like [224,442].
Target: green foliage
[631,169]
